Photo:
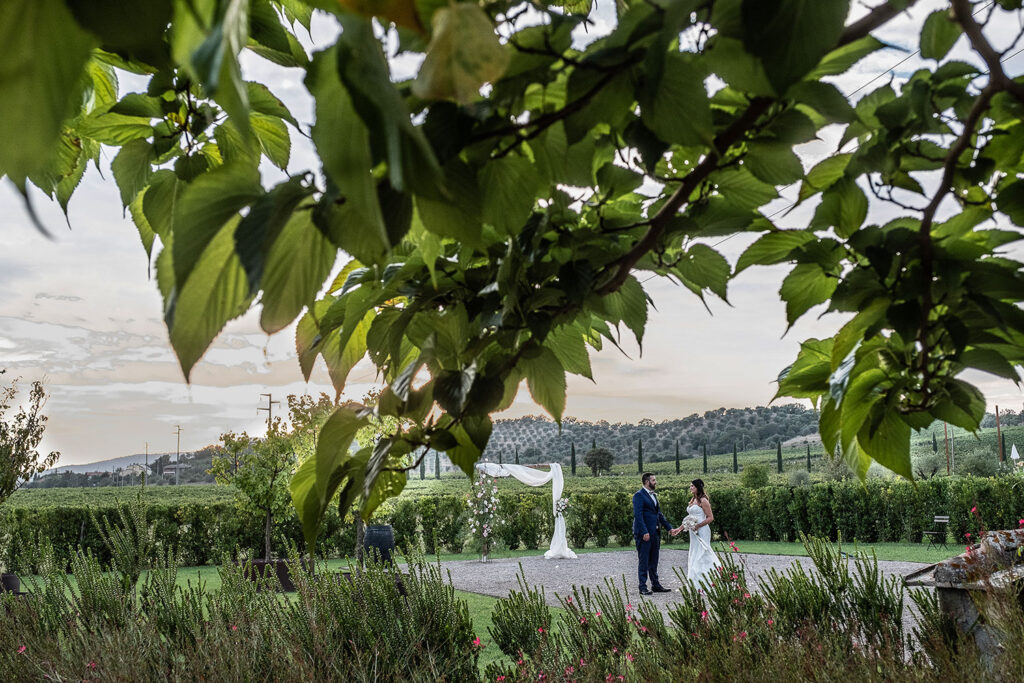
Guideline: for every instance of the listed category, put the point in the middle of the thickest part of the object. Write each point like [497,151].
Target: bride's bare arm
[709,516]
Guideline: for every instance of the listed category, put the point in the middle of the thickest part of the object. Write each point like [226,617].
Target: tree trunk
[360,534]
[266,537]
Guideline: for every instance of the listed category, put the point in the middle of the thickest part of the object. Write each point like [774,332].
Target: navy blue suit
[647,519]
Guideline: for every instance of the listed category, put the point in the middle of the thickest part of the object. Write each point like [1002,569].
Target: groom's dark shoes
[644,591]
[660,589]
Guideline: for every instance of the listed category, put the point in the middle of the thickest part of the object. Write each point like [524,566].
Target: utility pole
[270,410]
[999,436]
[177,456]
[945,429]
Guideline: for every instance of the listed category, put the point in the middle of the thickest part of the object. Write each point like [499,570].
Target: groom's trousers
[647,551]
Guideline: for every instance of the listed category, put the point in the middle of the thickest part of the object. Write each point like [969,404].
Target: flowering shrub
[483,511]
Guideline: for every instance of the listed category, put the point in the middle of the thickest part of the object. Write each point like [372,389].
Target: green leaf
[844,206]
[825,99]
[359,227]
[114,129]
[345,347]
[134,30]
[888,444]
[40,71]
[464,53]
[215,291]
[460,216]
[773,162]
[677,108]
[509,187]
[319,477]
[146,233]
[1010,201]
[991,361]
[805,286]
[137,104]
[706,268]
[964,408]
[566,341]
[160,201]
[808,376]
[728,60]
[411,164]
[471,436]
[262,101]
[273,137]
[842,58]
[791,36]
[205,205]
[774,247]
[852,333]
[132,168]
[545,377]
[938,35]
[742,189]
[824,174]
[628,305]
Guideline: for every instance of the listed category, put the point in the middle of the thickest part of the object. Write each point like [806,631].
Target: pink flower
[582,663]
[643,629]
[91,665]
[597,614]
[770,622]
[500,678]
[476,642]
[733,577]
[583,620]
[234,628]
[629,605]
[746,596]
[704,615]
[1020,523]
[569,670]
[974,509]
[540,630]
[21,650]
[968,534]
[629,657]
[569,599]
[615,650]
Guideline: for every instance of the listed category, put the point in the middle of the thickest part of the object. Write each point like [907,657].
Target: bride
[701,558]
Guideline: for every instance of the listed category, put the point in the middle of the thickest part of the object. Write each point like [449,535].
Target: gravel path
[498,576]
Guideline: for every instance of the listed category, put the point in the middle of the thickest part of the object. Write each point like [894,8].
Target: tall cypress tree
[778,457]
[437,465]
[423,469]
[935,444]
[573,460]
[640,456]
[705,457]
[677,456]
[808,457]
[593,444]
[735,461]
[517,455]
[499,457]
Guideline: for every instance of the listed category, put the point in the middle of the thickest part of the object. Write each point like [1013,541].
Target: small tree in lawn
[677,456]
[705,457]
[735,461]
[935,444]
[573,458]
[20,435]
[261,478]
[599,460]
[808,457]
[778,456]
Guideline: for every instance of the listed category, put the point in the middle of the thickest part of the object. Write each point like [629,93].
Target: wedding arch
[559,548]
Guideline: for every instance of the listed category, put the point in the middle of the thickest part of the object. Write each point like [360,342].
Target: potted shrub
[20,435]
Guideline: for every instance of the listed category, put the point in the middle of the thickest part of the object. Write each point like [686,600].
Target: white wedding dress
[701,559]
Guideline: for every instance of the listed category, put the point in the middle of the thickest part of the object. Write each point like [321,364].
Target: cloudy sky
[82,314]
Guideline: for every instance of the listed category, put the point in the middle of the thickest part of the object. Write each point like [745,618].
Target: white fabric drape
[559,547]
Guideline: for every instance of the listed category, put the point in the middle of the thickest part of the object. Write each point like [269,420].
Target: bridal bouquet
[562,505]
[690,522]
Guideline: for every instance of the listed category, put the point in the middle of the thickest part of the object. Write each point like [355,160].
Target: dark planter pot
[257,570]
[10,583]
[379,542]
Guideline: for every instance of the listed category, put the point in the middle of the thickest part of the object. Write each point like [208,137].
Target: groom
[646,520]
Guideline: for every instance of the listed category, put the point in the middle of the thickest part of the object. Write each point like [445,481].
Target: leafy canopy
[500,209]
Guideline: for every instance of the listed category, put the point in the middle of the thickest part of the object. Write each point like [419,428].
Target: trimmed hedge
[878,511]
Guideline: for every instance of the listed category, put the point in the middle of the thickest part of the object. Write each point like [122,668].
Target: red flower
[540,630]
[770,622]
[21,650]
[968,534]
[476,642]
[234,628]
[91,665]
[500,678]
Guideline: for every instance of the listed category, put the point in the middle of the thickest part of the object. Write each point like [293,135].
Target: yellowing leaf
[464,53]
[400,12]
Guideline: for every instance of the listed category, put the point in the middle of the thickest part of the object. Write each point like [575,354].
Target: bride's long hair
[699,485]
